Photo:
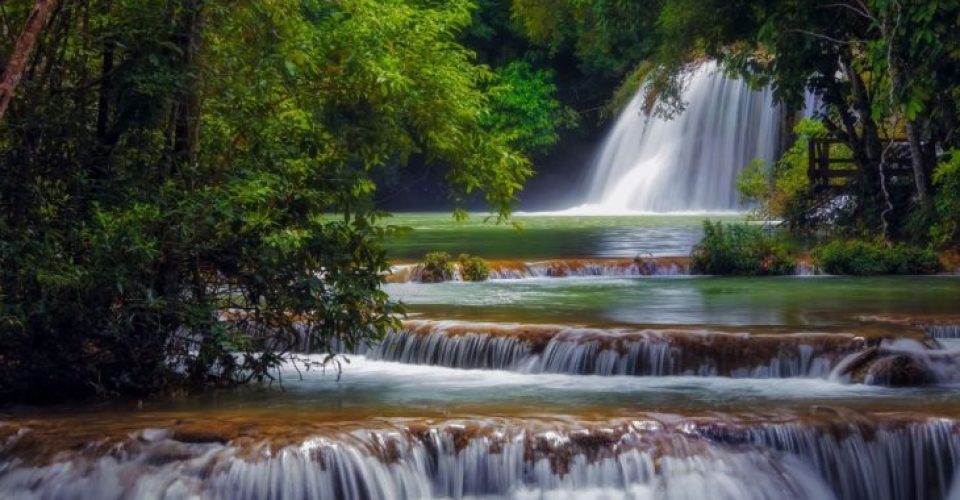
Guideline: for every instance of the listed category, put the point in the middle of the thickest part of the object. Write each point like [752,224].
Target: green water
[543,237]
[371,393]
[790,301]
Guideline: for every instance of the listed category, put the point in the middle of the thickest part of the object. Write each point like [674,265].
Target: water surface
[792,301]
[548,236]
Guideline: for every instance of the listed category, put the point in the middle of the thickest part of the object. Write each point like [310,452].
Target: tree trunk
[21,52]
[917,158]
[898,71]
[106,92]
[187,121]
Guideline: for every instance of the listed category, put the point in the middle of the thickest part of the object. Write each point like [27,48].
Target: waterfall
[838,356]
[561,268]
[945,331]
[688,163]
[587,351]
[718,457]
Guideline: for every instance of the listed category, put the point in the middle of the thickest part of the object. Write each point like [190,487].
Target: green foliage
[607,36]
[473,268]
[436,267]
[740,249]
[524,109]
[864,258]
[782,190]
[185,195]
[946,179]
[753,182]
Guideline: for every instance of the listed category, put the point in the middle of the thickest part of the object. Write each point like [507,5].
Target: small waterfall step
[858,356]
[734,457]
[568,268]
[938,326]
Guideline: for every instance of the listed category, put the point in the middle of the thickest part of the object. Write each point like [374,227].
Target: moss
[742,250]
[865,258]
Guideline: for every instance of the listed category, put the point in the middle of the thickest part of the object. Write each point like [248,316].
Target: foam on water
[647,459]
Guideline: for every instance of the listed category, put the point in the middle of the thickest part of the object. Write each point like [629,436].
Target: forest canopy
[186,190]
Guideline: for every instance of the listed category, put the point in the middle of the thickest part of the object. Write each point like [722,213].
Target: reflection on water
[544,237]
[685,300]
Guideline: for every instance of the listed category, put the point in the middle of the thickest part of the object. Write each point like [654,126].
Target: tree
[12,74]
[186,193]
[523,107]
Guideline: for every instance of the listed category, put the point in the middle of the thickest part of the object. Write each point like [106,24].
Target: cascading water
[583,351]
[664,352]
[718,458]
[688,163]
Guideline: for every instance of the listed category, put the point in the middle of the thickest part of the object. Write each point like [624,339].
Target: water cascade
[561,268]
[647,352]
[943,331]
[719,457]
[688,163]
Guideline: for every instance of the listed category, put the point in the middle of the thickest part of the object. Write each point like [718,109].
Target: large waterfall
[688,163]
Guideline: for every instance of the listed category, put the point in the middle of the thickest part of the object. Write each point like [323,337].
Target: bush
[473,268]
[946,231]
[739,249]
[781,189]
[436,267]
[864,258]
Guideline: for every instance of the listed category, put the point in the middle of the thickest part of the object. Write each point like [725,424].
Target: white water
[649,164]
[646,460]
[584,351]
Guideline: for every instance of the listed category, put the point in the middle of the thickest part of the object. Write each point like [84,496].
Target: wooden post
[21,52]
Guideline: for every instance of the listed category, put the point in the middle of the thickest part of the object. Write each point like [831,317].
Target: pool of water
[792,301]
[367,390]
[548,236]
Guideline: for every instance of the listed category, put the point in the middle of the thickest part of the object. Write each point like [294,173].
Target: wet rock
[899,370]
[205,432]
[857,367]
[164,453]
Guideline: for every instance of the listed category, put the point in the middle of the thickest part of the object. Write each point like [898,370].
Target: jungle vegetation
[187,186]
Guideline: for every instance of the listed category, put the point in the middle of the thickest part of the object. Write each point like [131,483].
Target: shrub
[739,249]
[864,258]
[473,268]
[436,267]
[946,179]
[781,189]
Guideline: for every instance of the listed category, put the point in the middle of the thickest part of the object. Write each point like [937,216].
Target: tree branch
[21,53]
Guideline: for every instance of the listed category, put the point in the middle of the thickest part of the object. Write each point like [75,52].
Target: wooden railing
[827,173]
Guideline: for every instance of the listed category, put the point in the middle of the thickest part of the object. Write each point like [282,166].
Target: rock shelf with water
[886,456]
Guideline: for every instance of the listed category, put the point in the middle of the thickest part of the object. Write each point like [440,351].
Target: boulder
[899,370]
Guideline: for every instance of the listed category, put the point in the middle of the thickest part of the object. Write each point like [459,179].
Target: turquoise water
[414,400]
[396,388]
[548,236]
[791,301]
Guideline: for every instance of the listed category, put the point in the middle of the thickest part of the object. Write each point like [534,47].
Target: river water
[599,386]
